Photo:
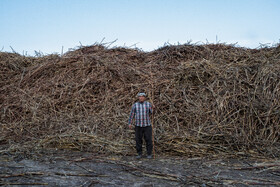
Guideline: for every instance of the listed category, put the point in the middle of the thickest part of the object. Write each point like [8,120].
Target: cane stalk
[152,101]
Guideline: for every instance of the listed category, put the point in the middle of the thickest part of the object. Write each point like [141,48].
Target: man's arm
[131,116]
[151,108]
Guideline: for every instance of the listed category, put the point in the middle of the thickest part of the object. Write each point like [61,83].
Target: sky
[50,25]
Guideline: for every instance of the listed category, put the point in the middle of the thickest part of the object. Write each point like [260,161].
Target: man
[141,111]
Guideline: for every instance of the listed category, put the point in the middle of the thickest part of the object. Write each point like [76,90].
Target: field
[212,99]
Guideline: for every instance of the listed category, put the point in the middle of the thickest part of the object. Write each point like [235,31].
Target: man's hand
[130,126]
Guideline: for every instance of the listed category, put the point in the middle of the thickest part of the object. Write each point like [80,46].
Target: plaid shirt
[140,111]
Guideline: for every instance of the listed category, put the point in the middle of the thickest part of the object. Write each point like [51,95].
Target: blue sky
[47,25]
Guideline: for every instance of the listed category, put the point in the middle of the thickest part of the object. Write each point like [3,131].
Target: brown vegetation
[210,99]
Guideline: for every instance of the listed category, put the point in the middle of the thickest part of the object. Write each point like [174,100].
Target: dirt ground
[68,168]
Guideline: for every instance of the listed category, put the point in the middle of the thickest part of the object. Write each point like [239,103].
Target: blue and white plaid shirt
[140,111]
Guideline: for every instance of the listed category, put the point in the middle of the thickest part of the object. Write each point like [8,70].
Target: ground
[68,168]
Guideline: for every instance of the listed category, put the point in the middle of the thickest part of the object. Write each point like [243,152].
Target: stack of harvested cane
[210,99]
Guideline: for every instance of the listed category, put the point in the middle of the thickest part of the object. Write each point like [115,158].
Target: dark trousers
[147,133]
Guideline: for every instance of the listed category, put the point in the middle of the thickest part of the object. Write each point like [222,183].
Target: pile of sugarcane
[210,99]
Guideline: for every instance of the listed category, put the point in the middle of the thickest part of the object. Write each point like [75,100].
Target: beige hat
[141,94]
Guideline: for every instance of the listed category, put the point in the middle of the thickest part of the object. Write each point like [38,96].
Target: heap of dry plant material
[210,99]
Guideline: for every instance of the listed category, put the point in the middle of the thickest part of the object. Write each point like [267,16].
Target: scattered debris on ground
[65,168]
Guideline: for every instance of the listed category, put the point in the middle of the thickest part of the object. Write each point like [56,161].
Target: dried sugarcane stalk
[153,113]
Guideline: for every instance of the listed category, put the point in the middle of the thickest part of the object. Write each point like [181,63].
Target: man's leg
[138,139]
[148,139]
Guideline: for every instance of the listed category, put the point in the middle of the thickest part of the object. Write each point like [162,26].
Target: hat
[141,94]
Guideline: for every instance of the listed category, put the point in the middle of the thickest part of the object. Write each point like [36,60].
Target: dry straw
[211,99]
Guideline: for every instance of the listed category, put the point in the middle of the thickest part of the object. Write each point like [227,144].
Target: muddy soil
[68,168]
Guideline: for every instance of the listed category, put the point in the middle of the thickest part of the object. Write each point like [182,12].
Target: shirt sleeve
[132,114]
[150,108]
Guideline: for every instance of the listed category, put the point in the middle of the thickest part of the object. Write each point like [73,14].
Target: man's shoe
[149,157]
[139,156]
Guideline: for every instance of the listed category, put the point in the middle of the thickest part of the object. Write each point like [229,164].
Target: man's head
[141,96]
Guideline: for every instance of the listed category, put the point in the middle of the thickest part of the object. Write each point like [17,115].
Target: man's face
[142,98]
